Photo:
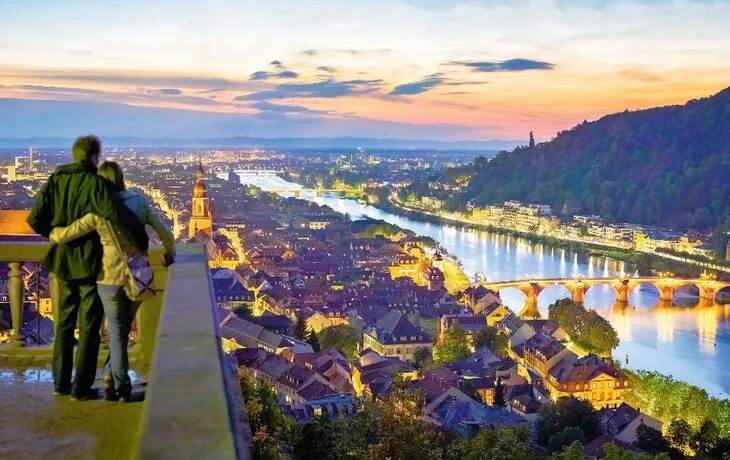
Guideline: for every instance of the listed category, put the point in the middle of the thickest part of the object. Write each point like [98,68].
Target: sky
[413,69]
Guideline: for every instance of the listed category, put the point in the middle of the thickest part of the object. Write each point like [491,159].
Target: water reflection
[686,339]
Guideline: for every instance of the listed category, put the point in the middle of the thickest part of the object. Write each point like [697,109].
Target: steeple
[200,218]
[200,190]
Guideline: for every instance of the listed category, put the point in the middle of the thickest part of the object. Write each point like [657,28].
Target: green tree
[565,438]
[650,440]
[572,452]
[667,399]
[564,413]
[403,435]
[585,327]
[317,440]
[493,339]
[706,438]
[269,426]
[342,337]
[311,339]
[490,444]
[613,452]
[644,264]
[455,346]
[243,310]
[356,436]
[679,434]
[421,356]
[300,328]
[721,451]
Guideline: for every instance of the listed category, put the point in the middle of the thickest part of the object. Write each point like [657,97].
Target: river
[691,343]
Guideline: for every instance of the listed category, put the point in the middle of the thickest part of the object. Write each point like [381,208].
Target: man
[73,191]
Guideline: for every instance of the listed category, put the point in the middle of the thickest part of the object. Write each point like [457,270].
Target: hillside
[668,166]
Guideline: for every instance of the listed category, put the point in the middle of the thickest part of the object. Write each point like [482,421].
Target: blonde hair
[112,172]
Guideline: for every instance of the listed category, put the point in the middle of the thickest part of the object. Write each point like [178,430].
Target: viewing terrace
[186,400]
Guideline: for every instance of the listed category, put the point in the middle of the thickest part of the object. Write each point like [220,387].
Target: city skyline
[411,69]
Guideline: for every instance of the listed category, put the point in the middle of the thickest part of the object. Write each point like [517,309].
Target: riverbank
[643,262]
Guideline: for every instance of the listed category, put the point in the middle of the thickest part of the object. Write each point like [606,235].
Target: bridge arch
[686,286]
[513,296]
[595,289]
[554,291]
[646,286]
[723,294]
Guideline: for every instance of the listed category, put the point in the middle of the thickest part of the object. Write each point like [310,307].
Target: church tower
[200,219]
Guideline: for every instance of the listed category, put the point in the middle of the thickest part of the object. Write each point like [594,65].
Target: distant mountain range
[280,143]
[55,123]
[667,165]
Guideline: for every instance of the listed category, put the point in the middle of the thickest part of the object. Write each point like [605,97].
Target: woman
[119,309]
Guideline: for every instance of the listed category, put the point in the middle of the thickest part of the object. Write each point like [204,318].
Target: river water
[690,342]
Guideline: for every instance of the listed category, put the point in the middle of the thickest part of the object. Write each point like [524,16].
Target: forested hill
[668,166]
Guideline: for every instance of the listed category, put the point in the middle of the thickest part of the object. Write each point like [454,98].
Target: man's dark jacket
[72,192]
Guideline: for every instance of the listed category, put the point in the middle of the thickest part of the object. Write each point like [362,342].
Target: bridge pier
[529,311]
[531,291]
[577,291]
[622,290]
[666,293]
[708,293]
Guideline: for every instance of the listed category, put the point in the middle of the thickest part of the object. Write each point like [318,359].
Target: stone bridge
[578,287]
[318,191]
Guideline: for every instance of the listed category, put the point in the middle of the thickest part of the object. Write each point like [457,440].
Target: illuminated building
[201,219]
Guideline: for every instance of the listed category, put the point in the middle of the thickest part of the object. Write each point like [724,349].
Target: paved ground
[36,424]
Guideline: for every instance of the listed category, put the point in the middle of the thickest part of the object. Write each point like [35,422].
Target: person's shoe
[57,392]
[86,396]
[108,384]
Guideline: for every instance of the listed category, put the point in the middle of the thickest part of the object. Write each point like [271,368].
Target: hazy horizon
[403,69]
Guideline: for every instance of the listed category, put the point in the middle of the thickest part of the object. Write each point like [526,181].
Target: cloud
[349,51]
[329,88]
[265,106]
[211,91]
[418,87]
[326,68]
[510,65]
[166,91]
[141,79]
[276,63]
[135,96]
[57,90]
[432,81]
[265,75]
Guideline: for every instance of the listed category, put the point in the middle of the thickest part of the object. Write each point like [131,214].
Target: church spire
[200,218]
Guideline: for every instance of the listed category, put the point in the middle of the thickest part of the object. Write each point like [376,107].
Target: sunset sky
[429,69]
